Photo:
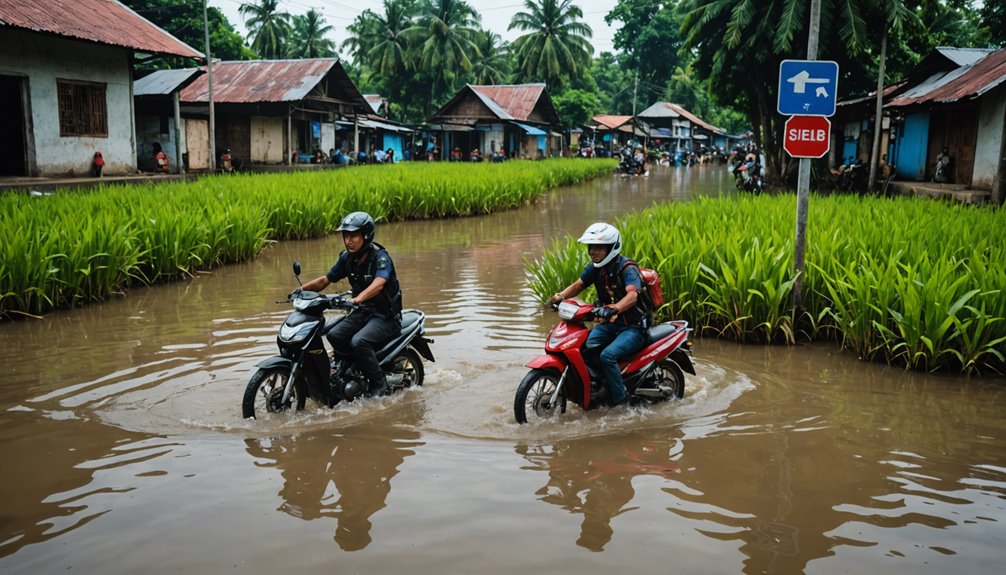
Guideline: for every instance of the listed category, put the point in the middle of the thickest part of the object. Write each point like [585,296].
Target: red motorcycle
[654,373]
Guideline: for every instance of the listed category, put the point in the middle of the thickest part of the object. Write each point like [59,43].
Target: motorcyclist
[375,290]
[622,330]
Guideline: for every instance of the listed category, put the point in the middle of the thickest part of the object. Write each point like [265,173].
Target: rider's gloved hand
[605,313]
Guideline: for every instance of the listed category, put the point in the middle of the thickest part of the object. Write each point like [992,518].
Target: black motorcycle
[628,166]
[303,369]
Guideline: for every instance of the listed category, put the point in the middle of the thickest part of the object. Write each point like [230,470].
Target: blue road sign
[808,87]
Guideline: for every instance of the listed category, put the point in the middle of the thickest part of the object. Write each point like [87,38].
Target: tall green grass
[912,282]
[69,249]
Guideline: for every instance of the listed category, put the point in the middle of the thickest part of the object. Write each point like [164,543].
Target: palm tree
[309,37]
[491,60]
[268,29]
[362,37]
[388,53]
[445,33]
[557,45]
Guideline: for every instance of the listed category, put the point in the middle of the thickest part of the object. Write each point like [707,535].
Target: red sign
[807,136]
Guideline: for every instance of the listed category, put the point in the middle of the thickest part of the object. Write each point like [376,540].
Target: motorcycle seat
[409,318]
[659,332]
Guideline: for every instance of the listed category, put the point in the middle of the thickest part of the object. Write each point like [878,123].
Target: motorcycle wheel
[264,393]
[409,365]
[533,394]
[667,375]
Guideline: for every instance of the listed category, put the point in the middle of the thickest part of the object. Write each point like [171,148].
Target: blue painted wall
[394,141]
[913,140]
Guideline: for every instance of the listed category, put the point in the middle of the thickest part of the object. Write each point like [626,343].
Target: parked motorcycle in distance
[748,178]
[303,369]
[653,374]
[628,166]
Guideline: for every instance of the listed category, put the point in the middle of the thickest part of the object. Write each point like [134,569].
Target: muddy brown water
[124,450]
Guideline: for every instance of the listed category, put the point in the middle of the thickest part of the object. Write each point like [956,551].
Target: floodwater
[124,449]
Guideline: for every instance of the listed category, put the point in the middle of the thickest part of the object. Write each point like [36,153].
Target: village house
[666,121]
[272,111]
[955,98]
[518,119]
[964,111]
[613,131]
[66,84]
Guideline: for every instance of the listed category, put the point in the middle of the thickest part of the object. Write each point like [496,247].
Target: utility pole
[635,86]
[878,121]
[803,176]
[209,82]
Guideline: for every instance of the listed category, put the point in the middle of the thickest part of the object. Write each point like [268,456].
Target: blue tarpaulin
[531,130]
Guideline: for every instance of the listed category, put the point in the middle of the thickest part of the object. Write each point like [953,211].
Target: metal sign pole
[803,176]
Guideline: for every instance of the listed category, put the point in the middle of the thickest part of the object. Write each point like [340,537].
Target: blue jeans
[614,341]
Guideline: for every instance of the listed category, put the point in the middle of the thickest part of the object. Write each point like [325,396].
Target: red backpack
[653,295]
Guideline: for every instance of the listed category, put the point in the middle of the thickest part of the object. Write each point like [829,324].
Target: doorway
[13,151]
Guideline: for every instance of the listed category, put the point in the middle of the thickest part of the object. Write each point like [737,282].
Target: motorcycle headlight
[567,310]
[296,333]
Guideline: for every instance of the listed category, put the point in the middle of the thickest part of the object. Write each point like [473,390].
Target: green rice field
[71,248]
[912,282]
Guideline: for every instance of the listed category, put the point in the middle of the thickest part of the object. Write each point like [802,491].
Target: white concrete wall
[44,59]
[990,138]
[267,140]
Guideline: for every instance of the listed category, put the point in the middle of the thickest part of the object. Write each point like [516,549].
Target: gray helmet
[359,222]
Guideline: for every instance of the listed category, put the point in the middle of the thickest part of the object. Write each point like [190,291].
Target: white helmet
[606,235]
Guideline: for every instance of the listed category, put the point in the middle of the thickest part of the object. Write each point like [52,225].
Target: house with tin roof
[275,111]
[670,122]
[66,84]
[610,131]
[962,109]
[518,119]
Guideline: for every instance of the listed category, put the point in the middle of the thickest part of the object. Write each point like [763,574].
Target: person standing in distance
[622,330]
[376,292]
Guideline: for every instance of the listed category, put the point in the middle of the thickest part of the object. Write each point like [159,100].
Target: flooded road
[124,449]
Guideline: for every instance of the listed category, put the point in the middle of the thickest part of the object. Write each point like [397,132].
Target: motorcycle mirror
[296,270]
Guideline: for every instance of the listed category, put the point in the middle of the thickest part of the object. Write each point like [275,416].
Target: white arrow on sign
[801,80]
[821,92]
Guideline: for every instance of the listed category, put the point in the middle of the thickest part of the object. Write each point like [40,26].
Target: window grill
[82,109]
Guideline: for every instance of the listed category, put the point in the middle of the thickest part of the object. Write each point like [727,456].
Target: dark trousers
[363,333]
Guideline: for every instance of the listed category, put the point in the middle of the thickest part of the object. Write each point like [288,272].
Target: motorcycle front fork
[554,400]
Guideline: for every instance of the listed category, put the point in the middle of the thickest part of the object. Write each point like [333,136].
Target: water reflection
[344,476]
[593,477]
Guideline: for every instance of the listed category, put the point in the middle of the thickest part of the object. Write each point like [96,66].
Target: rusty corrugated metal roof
[102,21]
[517,100]
[611,122]
[253,81]
[967,82]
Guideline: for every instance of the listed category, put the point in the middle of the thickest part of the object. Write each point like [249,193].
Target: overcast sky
[496,16]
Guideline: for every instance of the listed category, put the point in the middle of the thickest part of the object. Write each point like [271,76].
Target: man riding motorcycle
[622,330]
[376,292]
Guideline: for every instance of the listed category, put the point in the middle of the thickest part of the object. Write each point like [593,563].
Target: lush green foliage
[72,248]
[913,282]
